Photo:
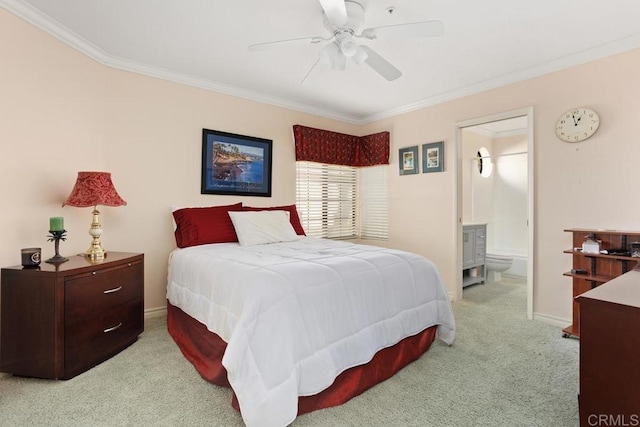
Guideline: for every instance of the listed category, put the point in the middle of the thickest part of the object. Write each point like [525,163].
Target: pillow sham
[200,226]
[293,215]
[260,227]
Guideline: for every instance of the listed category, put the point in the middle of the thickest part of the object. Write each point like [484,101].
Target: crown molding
[495,135]
[508,133]
[45,23]
[188,80]
[65,35]
[479,131]
[612,48]
[511,132]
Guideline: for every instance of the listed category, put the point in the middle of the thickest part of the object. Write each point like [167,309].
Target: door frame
[528,112]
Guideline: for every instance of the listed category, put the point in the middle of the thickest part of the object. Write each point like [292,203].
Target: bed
[301,323]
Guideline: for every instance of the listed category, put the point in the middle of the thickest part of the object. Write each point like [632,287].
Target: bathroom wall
[501,199]
[510,194]
[510,199]
[477,192]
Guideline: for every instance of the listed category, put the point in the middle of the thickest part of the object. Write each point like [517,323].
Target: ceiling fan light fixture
[348,46]
[339,63]
[369,33]
[360,55]
[329,53]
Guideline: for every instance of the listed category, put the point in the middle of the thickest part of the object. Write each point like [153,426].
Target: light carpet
[503,370]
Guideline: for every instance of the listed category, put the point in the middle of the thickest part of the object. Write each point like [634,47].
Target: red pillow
[293,216]
[199,226]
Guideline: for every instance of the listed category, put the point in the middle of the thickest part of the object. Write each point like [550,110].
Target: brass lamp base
[95,253]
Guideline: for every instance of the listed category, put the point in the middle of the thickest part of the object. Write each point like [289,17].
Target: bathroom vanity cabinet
[590,270]
[474,249]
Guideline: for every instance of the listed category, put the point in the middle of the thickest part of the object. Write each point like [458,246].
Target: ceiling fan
[343,18]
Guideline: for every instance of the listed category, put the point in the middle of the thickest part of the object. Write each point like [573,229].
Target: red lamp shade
[92,189]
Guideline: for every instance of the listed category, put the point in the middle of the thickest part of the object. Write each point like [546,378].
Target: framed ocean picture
[235,164]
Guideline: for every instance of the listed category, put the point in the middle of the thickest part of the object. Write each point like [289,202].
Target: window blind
[326,199]
[342,202]
[373,202]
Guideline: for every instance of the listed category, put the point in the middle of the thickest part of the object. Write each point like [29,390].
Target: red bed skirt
[204,349]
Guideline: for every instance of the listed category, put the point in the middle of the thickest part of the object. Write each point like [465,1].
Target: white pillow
[259,227]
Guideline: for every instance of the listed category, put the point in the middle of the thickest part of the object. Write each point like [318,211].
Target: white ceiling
[204,43]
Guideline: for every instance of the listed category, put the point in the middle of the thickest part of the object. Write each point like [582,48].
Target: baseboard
[151,313]
[551,320]
[514,276]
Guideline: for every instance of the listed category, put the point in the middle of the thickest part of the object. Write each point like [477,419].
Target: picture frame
[408,160]
[433,157]
[235,164]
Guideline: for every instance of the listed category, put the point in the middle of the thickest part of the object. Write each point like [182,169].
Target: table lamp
[93,189]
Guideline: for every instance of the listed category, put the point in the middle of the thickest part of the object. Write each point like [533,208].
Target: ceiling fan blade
[335,10]
[310,70]
[413,29]
[381,65]
[280,43]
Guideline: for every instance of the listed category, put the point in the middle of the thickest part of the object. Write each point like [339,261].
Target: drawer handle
[110,291]
[113,328]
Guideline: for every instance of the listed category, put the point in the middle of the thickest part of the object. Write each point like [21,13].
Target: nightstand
[57,321]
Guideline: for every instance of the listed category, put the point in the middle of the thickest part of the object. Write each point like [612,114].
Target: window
[326,199]
[373,206]
[342,202]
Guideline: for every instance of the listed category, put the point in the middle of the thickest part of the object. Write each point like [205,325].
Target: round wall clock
[577,124]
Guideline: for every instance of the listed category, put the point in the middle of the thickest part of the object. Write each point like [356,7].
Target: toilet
[496,264]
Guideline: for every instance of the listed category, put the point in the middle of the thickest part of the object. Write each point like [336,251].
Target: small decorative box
[591,246]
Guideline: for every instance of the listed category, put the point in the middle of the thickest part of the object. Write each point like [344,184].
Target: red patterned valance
[374,149]
[323,146]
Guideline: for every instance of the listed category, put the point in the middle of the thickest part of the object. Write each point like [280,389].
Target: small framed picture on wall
[408,160]
[433,157]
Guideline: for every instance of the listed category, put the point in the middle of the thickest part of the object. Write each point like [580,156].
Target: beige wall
[52,124]
[61,113]
[587,184]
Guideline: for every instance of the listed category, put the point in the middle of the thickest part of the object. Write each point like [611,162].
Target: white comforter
[296,314]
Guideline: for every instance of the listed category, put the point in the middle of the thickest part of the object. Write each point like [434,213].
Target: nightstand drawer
[102,290]
[92,340]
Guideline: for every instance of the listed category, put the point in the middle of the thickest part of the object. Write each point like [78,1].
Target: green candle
[56,223]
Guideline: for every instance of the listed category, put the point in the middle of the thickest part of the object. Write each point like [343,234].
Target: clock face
[577,125]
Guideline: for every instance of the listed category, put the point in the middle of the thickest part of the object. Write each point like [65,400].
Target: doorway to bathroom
[495,193]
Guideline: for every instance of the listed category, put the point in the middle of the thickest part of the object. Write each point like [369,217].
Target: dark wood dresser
[610,352]
[57,321]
